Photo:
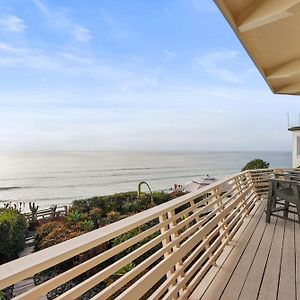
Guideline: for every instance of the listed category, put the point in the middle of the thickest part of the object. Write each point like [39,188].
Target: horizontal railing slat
[189,238]
[27,266]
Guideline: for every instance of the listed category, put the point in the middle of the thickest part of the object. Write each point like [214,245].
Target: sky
[131,75]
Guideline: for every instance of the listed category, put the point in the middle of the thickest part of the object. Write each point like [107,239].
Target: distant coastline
[60,177]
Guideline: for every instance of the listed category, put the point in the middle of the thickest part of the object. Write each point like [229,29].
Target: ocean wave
[5,188]
[99,174]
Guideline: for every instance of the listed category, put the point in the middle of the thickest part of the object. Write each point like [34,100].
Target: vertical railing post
[244,184]
[195,209]
[250,178]
[166,240]
[238,186]
[249,183]
[170,238]
[217,196]
[178,265]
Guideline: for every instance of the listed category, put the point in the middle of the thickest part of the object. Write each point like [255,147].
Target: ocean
[59,177]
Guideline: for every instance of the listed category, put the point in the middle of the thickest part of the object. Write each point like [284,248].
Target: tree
[256,164]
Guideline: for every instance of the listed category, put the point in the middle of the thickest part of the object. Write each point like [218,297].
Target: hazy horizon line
[137,150]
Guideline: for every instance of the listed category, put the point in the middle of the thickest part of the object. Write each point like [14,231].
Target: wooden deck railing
[170,249]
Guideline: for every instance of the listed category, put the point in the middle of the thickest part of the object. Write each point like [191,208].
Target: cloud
[41,6]
[139,83]
[8,48]
[155,120]
[12,23]
[62,63]
[72,57]
[25,57]
[57,18]
[117,29]
[169,55]
[203,5]
[81,34]
[216,64]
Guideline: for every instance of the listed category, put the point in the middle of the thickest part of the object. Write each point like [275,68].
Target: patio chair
[283,195]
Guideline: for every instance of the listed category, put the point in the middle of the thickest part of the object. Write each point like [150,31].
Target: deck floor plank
[254,278]
[239,275]
[269,286]
[287,280]
[297,251]
[262,262]
[248,225]
[217,286]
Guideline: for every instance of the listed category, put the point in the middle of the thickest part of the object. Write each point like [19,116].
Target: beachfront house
[295,145]
[228,253]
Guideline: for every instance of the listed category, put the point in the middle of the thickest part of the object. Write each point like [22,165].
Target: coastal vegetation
[88,214]
[256,164]
[13,228]
[85,215]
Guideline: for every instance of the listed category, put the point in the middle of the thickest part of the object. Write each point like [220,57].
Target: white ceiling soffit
[270,32]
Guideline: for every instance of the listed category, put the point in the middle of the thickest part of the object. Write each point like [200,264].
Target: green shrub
[130,234]
[73,217]
[125,269]
[112,217]
[87,225]
[87,214]
[58,234]
[130,207]
[161,197]
[6,241]
[106,203]
[13,228]
[55,232]
[96,216]
[256,164]
[126,203]
[44,230]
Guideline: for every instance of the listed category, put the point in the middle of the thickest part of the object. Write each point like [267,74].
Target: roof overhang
[269,30]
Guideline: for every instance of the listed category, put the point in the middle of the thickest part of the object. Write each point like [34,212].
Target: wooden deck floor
[262,262]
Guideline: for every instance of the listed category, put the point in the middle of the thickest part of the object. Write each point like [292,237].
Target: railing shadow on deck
[169,250]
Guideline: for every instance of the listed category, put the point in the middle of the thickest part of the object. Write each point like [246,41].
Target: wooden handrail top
[242,188]
[51,256]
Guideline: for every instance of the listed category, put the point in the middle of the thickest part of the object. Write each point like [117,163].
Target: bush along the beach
[87,225]
[256,164]
[125,203]
[88,214]
[13,228]
[73,218]
[125,269]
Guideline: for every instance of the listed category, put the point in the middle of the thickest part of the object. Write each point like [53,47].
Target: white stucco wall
[296,148]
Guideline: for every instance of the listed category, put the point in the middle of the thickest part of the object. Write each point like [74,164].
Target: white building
[296,146]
